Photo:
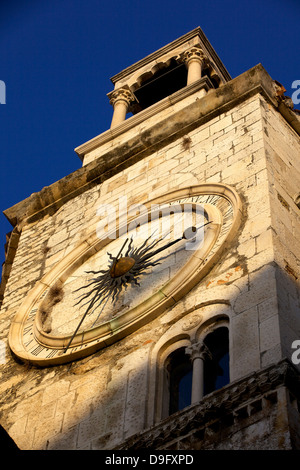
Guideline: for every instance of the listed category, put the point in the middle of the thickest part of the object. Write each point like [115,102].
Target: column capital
[195,61]
[120,99]
[198,351]
[121,94]
[194,53]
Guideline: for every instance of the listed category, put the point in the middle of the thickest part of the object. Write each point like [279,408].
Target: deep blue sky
[57,56]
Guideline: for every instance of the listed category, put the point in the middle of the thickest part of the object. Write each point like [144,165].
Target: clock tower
[150,299]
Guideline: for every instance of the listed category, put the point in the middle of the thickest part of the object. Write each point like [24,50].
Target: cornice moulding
[203,83]
[197,32]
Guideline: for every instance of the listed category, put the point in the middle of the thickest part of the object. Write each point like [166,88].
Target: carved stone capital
[121,94]
[195,53]
[198,351]
[195,61]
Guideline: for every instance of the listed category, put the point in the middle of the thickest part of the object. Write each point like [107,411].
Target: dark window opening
[165,82]
[179,371]
[180,380]
[216,368]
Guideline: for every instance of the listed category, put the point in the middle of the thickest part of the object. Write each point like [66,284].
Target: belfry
[150,300]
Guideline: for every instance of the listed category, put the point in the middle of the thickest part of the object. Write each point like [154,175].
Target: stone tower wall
[97,402]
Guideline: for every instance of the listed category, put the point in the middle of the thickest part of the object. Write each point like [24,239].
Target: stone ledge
[217,101]
[221,409]
[203,84]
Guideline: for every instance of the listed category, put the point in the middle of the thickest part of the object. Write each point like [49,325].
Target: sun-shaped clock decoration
[125,270]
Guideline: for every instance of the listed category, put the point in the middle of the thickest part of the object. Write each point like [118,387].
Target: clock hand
[93,301]
[127,262]
[188,234]
[77,328]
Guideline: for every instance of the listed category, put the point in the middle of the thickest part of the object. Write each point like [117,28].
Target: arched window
[194,371]
[216,365]
[179,370]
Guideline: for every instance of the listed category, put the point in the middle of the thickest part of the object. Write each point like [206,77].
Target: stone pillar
[120,99]
[194,59]
[197,352]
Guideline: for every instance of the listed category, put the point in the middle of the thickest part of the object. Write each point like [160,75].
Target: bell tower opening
[179,69]
[163,83]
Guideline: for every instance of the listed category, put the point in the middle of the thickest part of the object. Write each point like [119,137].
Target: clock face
[117,281]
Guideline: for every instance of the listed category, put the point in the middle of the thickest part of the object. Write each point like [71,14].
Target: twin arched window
[190,372]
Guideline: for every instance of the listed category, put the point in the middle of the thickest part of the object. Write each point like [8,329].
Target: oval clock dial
[111,285]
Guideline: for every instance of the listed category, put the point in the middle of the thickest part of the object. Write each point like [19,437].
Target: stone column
[197,352]
[120,99]
[194,59]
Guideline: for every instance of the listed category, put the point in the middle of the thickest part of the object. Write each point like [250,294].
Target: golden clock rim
[90,246]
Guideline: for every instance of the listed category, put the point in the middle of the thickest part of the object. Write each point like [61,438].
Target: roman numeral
[52,353]
[225,229]
[27,329]
[212,199]
[77,348]
[228,213]
[28,343]
[222,204]
[44,294]
[37,350]
[181,201]
[32,312]
[197,198]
